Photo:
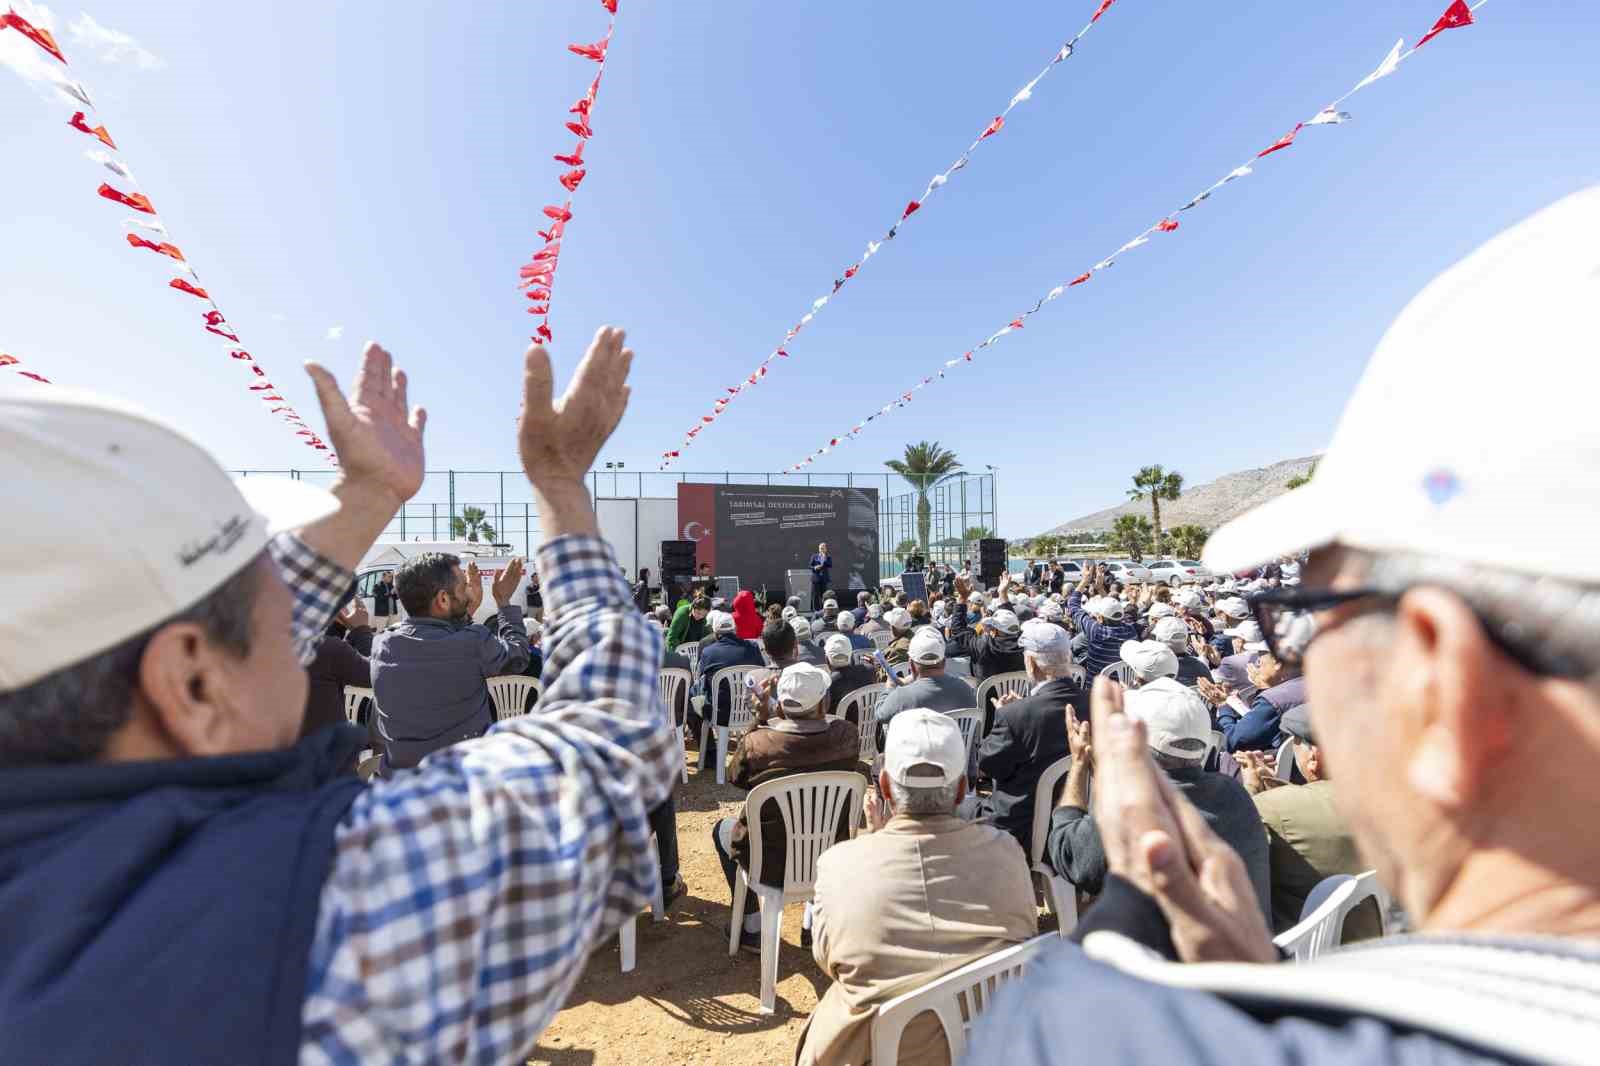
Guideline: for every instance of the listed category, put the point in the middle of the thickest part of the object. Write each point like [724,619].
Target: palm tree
[1187,540]
[925,465]
[1156,484]
[470,524]
[977,533]
[1045,546]
[1131,533]
[1303,479]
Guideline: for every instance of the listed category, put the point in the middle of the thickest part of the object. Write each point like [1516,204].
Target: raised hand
[505,583]
[354,616]
[1078,742]
[558,441]
[474,588]
[377,438]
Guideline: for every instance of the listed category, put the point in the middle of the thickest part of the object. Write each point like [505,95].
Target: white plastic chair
[353,695]
[740,716]
[692,653]
[956,999]
[510,694]
[1001,684]
[1321,926]
[971,723]
[902,672]
[861,657]
[864,701]
[1285,765]
[1062,898]
[811,806]
[628,935]
[673,683]
[1120,672]
[881,639]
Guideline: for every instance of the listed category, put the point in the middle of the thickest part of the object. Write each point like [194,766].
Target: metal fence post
[452,503]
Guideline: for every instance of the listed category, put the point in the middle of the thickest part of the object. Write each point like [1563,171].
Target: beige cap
[100,495]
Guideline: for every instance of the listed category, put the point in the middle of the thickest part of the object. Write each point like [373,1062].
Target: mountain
[1208,505]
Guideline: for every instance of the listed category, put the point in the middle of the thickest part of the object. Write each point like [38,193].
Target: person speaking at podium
[821,575]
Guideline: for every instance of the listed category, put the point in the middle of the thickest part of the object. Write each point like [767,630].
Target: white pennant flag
[1104,263]
[1133,244]
[149,224]
[1236,173]
[872,249]
[937,180]
[807,317]
[75,90]
[819,303]
[1024,93]
[1386,68]
[1329,117]
[105,160]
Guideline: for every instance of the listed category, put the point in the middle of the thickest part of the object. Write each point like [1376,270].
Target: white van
[491,559]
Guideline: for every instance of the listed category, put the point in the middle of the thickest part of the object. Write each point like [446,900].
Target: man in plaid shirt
[238,892]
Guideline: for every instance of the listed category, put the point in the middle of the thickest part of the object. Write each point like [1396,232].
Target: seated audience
[898,619]
[863,603]
[688,624]
[792,735]
[874,621]
[1100,621]
[429,670]
[1149,659]
[1179,731]
[746,619]
[848,675]
[918,893]
[1175,635]
[930,686]
[847,626]
[341,660]
[166,839]
[991,650]
[805,646]
[1307,838]
[1028,734]
[1255,727]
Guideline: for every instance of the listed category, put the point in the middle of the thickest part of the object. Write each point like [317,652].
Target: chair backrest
[692,653]
[971,723]
[1121,672]
[727,690]
[1078,675]
[1285,766]
[881,638]
[811,806]
[510,694]
[902,672]
[353,695]
[956,999]
[864,702]
[673,683]
[991,688]
[1044,798]
[861,657]
[1321,926]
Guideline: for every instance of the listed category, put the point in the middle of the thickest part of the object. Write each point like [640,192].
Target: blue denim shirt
[428,677]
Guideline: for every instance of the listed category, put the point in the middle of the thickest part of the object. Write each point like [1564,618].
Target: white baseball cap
[1190,600]
[801,687]
[722,622]
[874,610]
[1438,452]
[97,491]
[1039,636]
[924,749]
[1233,607]
[1162,610]
[927,647]
[1051,612]
[1168,630]
[1005,621]
[899,618]
[1150,659]
[801,627]
[847,622]
[1176,721]
[838,649]
[1250,633]
[830,605]
[789,613]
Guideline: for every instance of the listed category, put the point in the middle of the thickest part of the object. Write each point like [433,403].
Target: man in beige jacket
[922,895]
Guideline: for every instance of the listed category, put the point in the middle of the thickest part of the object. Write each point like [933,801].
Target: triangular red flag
[1456,15]
[611,6]
[245,356]
[39,37]
[1105,5]
[1080,279]
[596,51]
[192,290]
[138,201]
[912,208]
[1167,225]
[8,360]
[560,214]
[79,123]
[993,127]
[1282,142]
[573,160]
[1016,323]
[36,377]
[573,178]
[226,334]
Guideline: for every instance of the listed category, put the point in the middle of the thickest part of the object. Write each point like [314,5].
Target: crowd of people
[1398,675]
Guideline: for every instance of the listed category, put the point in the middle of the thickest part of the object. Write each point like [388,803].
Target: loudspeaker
[677,569]
[991,560]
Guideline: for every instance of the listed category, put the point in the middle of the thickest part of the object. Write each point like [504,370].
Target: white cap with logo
[1176,720]
[927,647]
[838,649]
[1433,455]
[924,749]
[801,687]
[1004,621]
[96,491]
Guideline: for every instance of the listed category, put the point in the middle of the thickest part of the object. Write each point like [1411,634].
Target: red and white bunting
[912,207]
[11,365]
[151,220]
[538,275]
[1459,14]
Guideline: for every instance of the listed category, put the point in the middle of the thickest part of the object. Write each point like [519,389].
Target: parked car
[1126,571]
[1177,572]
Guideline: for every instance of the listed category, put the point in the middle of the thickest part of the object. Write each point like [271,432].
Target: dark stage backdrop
[760,532]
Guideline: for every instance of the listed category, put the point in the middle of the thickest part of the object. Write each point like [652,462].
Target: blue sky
[381,168]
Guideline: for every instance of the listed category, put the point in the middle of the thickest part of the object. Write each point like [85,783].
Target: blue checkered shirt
[466,895]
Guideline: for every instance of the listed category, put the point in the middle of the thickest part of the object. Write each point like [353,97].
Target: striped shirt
[1105,641]
[466,895]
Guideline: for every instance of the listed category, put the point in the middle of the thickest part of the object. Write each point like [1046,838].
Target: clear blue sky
[379,168]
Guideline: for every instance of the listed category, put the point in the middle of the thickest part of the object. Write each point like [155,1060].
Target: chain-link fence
[498,506]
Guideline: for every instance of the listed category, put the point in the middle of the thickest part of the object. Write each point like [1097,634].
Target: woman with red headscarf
[746,621]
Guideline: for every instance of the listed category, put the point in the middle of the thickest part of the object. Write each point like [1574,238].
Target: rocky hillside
[1207,505]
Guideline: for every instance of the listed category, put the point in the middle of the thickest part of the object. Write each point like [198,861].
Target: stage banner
[760,532]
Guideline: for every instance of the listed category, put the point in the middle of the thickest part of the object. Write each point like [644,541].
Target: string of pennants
[148,220]
[937,182]
[11,362]
[1458,14]
[538,275]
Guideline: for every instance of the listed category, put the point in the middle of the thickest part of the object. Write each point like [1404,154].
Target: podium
[799,582]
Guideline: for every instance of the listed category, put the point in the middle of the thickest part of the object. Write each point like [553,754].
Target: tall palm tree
[925,465]
[1155,484]
[470,524]
[1187,540]
[1131,533]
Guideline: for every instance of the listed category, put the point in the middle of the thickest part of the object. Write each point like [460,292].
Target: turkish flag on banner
[1282,142]
[1080,279]
[1167,225]
[596,51]
[192,290]
[138,201]
[223,333]
[36,377]
[168,250]
[993,127]
[1105,5]
[79,123]
[1456,15]
[39,37]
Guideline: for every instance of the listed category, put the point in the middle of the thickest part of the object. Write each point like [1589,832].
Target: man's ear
[1448,680]
[181,684]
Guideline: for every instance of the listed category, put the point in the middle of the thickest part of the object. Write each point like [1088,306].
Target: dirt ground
[687,1001]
